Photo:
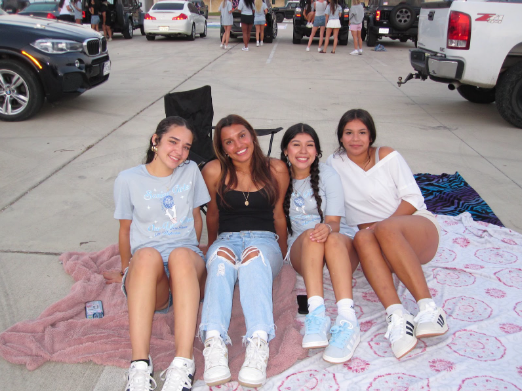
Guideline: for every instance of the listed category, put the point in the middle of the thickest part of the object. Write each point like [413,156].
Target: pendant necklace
[299,201]
[246,197]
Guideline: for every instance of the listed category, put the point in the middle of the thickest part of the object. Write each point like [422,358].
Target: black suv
[125,16]
[270,25]
[286,12]
[395,19]
[300,29]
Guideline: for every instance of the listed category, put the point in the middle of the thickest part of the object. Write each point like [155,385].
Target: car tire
[363,34]
[509,95]
[204,33]
[120,17]
[403,39]
[142,29]
[476,94]
[371,39]
[192,35]
[150,37]
[268,39]
[402,17]
[296,39]
[280,18]
[343,40]
[29,86]
[221,33]
[128,29]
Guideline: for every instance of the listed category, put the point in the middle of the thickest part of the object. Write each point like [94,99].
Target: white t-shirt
[374,195]
[160,207]
[64,10]
[303,207]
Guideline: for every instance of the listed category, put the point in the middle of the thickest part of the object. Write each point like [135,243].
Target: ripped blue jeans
[255,278]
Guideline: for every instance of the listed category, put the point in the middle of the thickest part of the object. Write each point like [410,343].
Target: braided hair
[289,135]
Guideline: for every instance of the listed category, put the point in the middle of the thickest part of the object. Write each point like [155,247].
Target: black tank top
[236,216]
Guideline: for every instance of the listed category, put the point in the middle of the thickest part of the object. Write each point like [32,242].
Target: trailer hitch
[409,77]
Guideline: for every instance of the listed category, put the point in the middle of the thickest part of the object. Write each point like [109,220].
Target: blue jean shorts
[95,19]
[320,21]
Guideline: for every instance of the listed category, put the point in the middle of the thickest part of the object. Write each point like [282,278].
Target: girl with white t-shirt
[397,234]
[314,209]
[157,204]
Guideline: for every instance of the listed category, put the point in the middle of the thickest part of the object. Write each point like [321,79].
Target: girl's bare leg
[327,39]
[307,258]
[335,33]
[342,260]
[312,35]
[321,35]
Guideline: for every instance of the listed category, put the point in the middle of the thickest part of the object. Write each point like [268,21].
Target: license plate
[164,28]
[106,68]
[384,30]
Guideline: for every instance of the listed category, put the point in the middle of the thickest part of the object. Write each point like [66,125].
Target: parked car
[125,16]
[286,12]
[270,25]
[14,6]
[44,58]
[42,10]
[201,6]
[300,29]
[395,19]
[174,18]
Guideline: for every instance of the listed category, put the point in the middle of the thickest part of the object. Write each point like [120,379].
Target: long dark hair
[249,3]
[163,128]
[289,135]
[333,6]
[259,165]
[363,116]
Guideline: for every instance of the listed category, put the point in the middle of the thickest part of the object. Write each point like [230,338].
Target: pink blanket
[62,333]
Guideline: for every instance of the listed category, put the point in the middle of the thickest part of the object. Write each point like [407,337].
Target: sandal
[322,51]
[332,52]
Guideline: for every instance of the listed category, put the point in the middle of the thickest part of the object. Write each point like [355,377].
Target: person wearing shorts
[356,19]
[317,234]
[66,12]
[78,13]
[247,20]
[397,234]
[333,24]
[319,23]
[260,20]
[157,205]
[94,9]
[226,21]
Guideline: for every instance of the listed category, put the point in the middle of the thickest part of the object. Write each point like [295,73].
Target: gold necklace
[246,197]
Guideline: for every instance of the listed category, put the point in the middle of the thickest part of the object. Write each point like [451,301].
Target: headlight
[57,46]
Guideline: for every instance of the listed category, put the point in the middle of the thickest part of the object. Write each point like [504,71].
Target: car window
[167,7]
[40,7]
[192,8]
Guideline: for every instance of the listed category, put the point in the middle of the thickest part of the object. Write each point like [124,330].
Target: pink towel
[63,334]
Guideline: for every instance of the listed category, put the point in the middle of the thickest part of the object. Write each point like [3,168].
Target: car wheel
[296,39]
[150,37]
[204,33]
[363,34]
[403,39]
[120,17]
[477,94]
[402,17]
[343,40]
[142,29]
[371,39]
[509,95]
[221,33]
[128,30]
[280,18]
[21,95]
[192,35]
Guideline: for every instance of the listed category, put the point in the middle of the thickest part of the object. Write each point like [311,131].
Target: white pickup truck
[474,46]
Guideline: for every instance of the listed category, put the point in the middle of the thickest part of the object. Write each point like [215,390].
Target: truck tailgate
[433,25]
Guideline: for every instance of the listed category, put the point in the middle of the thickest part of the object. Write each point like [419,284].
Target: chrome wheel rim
[14,93]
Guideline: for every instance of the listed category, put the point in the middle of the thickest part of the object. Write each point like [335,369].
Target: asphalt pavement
[57,170]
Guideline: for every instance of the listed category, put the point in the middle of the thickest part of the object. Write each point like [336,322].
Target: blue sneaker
[346,335]
[317,326]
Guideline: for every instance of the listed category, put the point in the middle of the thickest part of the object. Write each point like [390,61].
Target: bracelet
[329,226]
[122,273]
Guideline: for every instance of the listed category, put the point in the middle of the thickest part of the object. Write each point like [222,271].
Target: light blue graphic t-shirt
[160,207]
[303,207]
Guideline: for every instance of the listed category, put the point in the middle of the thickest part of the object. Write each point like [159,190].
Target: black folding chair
[196,107]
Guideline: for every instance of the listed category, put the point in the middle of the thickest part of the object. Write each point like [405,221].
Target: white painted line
[271,54]
[281,26]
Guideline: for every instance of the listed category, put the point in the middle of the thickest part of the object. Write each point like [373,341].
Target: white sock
[261,334]
[394,307]
[212,333]
[314,302]
[182,360]
[424,302]
[346,309]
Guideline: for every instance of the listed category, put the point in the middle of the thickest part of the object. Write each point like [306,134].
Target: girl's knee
[363,238]
[249,253]
[145,257]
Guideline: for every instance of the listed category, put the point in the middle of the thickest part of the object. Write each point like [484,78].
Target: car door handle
[431,15]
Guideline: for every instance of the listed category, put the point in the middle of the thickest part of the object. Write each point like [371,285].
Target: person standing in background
[247,20]
[78,13]
[106,20]
[226,21]
[66,12]
[260,21]
[94,9]
[356,19]
[319,23]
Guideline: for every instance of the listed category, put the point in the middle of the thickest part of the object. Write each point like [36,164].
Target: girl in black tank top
[246,210]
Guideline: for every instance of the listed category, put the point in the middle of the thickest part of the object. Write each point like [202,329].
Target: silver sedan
[171,18]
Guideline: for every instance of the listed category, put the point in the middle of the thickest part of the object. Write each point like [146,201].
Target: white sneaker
[257,43]
[360,52]
[216,362]
[179,375]
[245,49]
[221,45]
[431,321]
[225,47]
[139,377]
[307,48]
[355,53]
[319,49]
[309,25]
[401,333]
[253,370]
[110,39]
[346,336]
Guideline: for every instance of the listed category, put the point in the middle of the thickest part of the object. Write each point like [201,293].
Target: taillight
[346,13]
[83,14]
[180,17]
[459,31]
[377,15]
[50,16]
[149,17]
[297,12]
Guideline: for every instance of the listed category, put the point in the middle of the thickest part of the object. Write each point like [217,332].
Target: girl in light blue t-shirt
[227,20]
[260,20]
[317,233]
[333,12]
[157,205]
